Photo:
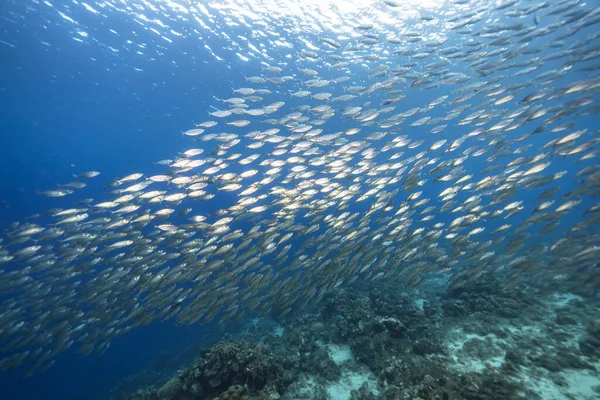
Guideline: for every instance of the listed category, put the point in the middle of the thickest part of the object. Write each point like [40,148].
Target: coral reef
[474,341]
[226,371]
[485,295]
[590,343]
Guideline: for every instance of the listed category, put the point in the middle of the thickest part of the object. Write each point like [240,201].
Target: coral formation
[224,372]
[476,341]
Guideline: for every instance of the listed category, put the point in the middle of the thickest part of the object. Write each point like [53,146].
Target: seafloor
[476,342]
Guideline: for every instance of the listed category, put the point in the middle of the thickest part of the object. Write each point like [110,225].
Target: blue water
[63,113]
[117,103]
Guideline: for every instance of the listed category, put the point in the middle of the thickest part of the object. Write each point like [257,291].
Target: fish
[421,159]
[56,193]
[87,174]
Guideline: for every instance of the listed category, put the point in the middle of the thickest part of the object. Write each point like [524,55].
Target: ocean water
[111,86]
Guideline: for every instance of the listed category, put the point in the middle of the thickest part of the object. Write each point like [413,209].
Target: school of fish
[492,175]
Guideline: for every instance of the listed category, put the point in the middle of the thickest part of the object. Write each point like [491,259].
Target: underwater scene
[300,199]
